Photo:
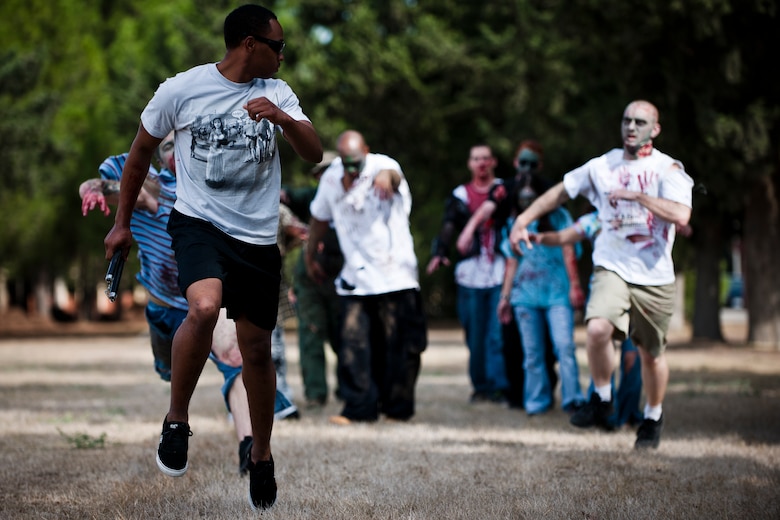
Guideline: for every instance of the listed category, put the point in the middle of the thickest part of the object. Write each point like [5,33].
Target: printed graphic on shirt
[629,219]
[228,149]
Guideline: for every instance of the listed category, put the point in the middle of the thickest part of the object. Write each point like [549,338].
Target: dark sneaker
[574,407]
[593,413]
[262,484]
[316,403]
[498,397]
[649,434]
[479,397]
[172,451]
[244,447]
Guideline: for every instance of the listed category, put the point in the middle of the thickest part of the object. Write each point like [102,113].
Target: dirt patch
[80,419]
[17,324]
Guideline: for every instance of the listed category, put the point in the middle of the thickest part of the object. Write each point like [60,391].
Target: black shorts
[250,274]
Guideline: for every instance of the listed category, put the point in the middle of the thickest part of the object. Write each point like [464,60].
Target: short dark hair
[247,20]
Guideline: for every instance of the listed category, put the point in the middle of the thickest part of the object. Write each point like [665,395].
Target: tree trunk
[43,295]
[762,283]
[86,288]
[708,241]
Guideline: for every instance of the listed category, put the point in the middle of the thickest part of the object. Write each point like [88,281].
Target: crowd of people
[213,224]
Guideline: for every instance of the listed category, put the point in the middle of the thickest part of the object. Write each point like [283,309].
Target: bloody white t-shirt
[647,261]
[373,234]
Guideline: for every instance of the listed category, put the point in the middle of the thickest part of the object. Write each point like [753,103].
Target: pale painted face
[527,161]
[639,126]
[165,151]
[353,151]
[353,164]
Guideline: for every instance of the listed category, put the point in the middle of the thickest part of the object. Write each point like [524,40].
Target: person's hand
[297,231]
[504,311]
[621,194]
[94,199]
[517,235]
[291,297]
[263,108]
[435,263]
[118,238]
[313,269]
[284,197]
[576,296]
[386,184]
[685,230]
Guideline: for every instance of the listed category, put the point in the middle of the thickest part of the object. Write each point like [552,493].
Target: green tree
[426,80]
[423,81]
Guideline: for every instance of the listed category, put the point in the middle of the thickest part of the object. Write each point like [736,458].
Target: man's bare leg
[260,382]
[601,359]
[192,344]
[239,408]
[601,353]
[655,376]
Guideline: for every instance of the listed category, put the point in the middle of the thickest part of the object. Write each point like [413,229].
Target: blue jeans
[163,324]
[534,324]
[282,406]
[477,313]
[630,389]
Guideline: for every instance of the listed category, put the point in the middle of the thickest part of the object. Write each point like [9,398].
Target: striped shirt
[159,274]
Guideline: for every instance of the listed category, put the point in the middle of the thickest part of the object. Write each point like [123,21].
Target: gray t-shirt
[227,165]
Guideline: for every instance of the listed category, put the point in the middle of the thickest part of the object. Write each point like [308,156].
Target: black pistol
[114,274]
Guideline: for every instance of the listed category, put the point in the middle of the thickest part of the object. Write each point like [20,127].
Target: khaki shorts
[646,309]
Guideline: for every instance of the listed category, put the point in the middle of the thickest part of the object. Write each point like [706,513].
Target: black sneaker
[262,484]
[244,447]
[498,397]
[593,413]
[172,451]
[479,397]
[573,407]
[649,434]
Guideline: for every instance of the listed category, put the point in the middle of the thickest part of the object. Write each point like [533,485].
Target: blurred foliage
[84,441]
[422,80]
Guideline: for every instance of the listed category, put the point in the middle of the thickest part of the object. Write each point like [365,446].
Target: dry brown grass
[719,458]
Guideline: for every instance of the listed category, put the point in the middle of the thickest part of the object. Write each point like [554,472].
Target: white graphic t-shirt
[227,164]
[633,242]
[373,234]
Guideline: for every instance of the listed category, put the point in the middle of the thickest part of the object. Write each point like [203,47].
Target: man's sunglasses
[276,45]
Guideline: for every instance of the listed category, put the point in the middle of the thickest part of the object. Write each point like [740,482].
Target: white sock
[605,392]
[653,412]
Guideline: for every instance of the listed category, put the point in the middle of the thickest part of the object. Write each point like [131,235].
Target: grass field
[80,418]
